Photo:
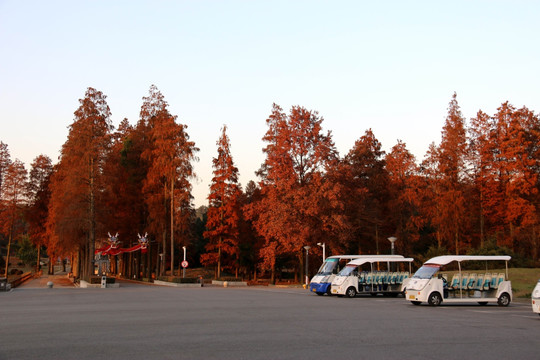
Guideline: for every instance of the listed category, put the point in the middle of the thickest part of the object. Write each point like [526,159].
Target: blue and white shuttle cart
[321,282]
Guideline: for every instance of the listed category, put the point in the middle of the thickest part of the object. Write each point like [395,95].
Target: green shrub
[491,248]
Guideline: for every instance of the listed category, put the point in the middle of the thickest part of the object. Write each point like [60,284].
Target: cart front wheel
[435,299]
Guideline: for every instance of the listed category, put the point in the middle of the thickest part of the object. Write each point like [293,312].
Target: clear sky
[391,66]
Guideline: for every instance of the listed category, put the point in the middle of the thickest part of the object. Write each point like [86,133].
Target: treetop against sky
[391,67]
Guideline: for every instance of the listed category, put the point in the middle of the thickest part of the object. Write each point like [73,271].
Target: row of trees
[478,188]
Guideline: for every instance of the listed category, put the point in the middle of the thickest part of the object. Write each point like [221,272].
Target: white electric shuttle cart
[373,275]
[321,282]
[536,298]
[430,285]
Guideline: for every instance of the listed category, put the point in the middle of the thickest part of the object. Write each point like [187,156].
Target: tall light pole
[392,240]
[307,247]
[323,245]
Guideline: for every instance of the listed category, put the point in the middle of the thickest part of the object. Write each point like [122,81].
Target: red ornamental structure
[113,247]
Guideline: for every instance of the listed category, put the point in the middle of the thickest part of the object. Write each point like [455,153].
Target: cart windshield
[426,271]
[348,270]
[329,267]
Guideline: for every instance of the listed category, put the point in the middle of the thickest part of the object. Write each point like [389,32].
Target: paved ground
[58,280]
[153,322]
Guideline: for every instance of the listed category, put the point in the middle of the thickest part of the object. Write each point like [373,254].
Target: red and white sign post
[184,263]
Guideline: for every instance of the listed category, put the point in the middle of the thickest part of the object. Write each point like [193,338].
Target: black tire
[434,299]
[483,303]
[416,302]
[329,291]
[351,292]
[504,299]
[319,293]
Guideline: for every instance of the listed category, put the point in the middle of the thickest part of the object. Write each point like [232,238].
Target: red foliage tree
[38,195]
[404,203]
[291,211]
[512,184]
[12,192]
[169,157]
[223,210]
[365,195]
[444,169]
[76,210]
[5,160]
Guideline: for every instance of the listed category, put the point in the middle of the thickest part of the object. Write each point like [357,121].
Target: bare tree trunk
[481,219]
[219,259]
[456,237]
[164,246]
[38,265]
[92,229]
[172,227]
[8,249]
[158,264]
[149,261]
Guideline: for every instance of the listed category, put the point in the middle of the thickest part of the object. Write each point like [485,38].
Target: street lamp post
[307,247]
[161,267]
[323,245]
[392,240]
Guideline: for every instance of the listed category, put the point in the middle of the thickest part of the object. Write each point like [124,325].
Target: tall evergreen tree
[365,182]
[169,156]
[38,195]
[75,214]
[13,195]
[289,214]
[403,205]
[223,210]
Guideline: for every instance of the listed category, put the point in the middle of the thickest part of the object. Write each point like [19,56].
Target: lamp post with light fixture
[307,247]
[323,245]
[392,240]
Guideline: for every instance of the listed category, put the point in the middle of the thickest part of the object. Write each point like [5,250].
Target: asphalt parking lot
[152,322]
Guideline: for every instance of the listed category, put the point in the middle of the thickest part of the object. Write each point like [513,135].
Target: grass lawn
[523,281]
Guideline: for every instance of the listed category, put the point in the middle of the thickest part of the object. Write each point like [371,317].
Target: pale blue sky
[391,66]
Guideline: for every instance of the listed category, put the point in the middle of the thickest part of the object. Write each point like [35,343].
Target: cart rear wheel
[504,299]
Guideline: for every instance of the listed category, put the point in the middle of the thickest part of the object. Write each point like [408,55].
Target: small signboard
[184,264]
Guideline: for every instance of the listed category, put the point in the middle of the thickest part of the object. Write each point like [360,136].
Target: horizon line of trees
[477,191]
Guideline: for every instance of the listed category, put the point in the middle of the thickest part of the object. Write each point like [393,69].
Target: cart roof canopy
[372,259]
[362,256]
[447,259]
